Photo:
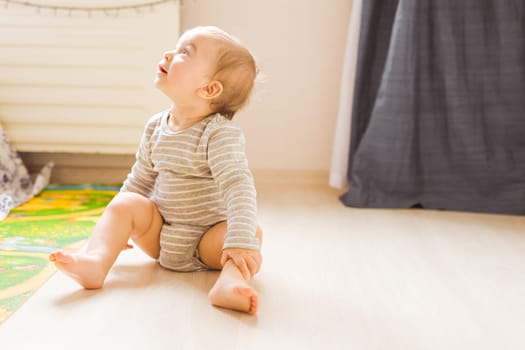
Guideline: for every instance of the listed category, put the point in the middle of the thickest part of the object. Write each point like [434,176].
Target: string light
[106,10]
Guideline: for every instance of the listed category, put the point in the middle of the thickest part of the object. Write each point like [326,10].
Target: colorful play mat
[61,216]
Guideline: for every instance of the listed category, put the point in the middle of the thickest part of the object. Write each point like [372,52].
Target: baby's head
[230,68]
[235,69]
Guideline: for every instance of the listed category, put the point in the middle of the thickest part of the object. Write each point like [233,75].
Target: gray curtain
[438,116]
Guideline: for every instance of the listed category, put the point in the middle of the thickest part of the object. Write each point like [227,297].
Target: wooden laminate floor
[333,278]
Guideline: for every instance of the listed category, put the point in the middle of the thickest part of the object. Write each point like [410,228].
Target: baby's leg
[127,215]
[231,290]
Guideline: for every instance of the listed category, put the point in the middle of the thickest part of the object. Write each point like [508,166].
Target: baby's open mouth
[162,70]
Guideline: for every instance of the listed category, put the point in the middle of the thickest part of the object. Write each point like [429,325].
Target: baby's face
[188,67]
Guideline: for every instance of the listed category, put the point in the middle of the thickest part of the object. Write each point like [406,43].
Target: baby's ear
[211,90]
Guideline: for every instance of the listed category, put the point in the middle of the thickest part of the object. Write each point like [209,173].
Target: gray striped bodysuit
[197,177]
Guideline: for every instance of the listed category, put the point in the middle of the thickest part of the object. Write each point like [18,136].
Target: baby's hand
[247,261]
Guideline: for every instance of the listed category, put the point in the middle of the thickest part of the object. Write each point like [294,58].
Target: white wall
[299,45]
[289,124]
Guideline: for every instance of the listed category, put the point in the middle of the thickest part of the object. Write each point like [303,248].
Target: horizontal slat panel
[72,95]
[66,115]
[72,37]
[58,137]
[60,74]
[77,148]
[78,83]
[19,18]
[86,56]
[68,134]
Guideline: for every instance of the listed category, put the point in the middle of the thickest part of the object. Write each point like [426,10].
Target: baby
[189,200]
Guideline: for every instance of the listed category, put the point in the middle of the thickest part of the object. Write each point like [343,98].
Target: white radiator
[81,83]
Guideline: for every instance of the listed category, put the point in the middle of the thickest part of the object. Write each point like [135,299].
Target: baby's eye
[184,52]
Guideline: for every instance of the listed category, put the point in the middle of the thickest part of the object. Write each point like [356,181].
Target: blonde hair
[235,68]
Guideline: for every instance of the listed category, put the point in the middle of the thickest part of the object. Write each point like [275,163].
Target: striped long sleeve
[142,177]
[229,168]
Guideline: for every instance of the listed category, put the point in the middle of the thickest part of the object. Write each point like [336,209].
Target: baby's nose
[168,55]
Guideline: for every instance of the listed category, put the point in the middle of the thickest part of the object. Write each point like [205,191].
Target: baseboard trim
[79,168]
[285,176]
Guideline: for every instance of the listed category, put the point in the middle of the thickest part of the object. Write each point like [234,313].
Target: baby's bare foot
[87,270]
[235,295]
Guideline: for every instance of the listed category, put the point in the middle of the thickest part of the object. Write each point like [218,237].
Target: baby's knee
[128,201]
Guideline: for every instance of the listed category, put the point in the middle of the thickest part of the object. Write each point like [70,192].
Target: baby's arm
[229,167]
[142,177]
